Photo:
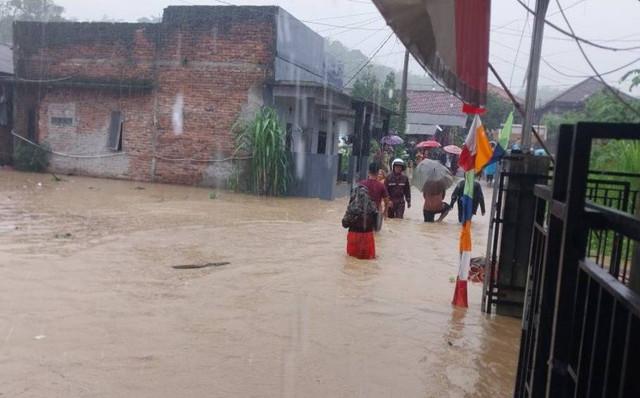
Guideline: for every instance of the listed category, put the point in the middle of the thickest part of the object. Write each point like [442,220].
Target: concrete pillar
[517,229]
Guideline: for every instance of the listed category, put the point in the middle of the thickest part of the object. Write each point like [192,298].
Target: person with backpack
[361,219]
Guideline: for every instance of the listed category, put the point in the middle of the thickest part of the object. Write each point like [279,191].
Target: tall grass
[264,138]
[618,155]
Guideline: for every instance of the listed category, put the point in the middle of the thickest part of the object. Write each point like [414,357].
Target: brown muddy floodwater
[90,305]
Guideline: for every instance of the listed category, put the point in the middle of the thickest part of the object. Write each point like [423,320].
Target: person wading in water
[399,189]
[361,218]
[377,192]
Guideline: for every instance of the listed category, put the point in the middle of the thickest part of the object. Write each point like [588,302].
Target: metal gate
[581,325]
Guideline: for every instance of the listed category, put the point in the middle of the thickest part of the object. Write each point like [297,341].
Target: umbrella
[392,140]
[453,149]
[432,177]
[429,144]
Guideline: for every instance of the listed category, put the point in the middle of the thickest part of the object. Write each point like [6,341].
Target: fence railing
[611,250]
[581,324]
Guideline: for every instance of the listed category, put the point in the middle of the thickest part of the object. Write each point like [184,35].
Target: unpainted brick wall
[217,59]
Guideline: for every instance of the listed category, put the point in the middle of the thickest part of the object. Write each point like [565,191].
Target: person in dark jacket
[399,189]
[478,198]
[361,219]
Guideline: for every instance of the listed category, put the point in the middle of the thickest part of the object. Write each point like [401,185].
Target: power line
[584,54]
[588,76]
[557,70]
[289,16]
[524,27]
[520,19]
[347,16]
[572,34]
[368,60]
[523,68]
[351,27]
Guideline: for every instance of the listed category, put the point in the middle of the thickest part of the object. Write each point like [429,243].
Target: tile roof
[499,92]
[434,102]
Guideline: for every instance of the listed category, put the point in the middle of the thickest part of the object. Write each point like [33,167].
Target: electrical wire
[588,76]
[347,16]
[368,60]
[615,92]
[573,35]
[520,19]
[524,27]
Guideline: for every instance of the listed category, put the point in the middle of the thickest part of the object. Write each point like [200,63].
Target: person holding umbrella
[399,189]
[435,179]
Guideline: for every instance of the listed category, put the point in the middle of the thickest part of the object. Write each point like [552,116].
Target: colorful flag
[503,141]
[476,153]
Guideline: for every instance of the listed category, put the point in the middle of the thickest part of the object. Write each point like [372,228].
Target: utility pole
[533,72]
[402,126]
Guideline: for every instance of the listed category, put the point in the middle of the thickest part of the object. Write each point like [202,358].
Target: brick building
[157,101]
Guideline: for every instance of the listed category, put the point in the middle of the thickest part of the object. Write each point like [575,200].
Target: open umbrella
[453,149]
[432,177]
[392,140]
[429,144]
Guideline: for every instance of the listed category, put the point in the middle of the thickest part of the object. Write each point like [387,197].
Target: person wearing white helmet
[399,189]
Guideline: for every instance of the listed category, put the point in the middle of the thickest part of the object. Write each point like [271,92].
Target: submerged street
[91,306]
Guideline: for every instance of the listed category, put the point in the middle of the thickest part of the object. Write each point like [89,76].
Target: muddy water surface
[91,306]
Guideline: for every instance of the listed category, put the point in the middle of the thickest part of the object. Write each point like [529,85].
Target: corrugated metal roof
[434,103]
[442,120]
[6,59]
[422,129]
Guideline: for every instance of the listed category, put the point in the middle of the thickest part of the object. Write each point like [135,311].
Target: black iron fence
[611,250]
[581,323]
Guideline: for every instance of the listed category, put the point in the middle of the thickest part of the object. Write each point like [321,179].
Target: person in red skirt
[361,218]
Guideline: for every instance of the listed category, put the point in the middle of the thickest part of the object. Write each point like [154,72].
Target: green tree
[616,155]
[368,87]
[26,10]
[635,78]
[497,112]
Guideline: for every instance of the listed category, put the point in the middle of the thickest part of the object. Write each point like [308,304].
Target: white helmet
[398,162]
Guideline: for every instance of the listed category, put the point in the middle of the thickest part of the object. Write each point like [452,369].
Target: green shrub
[264,139]
[31,158]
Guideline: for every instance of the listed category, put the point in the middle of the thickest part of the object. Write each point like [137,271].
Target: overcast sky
[609,22]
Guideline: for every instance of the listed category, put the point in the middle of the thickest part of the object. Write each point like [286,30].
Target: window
[62,121]
[115,132]
[322,142]
[289,138]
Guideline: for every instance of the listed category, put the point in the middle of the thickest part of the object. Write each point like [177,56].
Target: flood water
[91,306]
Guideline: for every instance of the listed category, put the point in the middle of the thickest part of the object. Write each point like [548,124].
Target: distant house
[432,114]
[6,103]
[573,99]
[502,94]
